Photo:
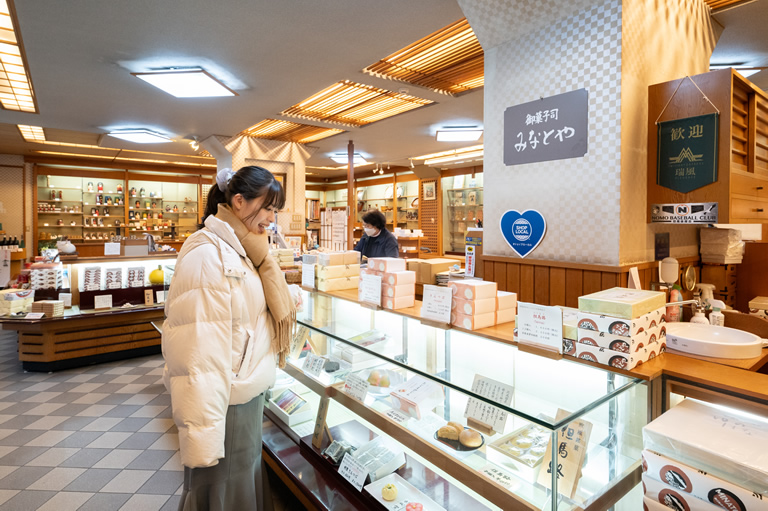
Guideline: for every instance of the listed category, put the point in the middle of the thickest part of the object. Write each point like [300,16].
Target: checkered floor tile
[93,438]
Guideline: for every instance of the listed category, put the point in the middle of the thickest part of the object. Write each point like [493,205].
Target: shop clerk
[377,240]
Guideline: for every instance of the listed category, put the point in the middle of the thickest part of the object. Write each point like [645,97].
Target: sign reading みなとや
[553,128]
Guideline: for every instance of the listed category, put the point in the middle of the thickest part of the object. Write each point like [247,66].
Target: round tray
[458,446]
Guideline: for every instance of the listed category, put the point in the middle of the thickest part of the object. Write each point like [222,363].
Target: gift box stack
[92,278]
[136,276]
[15,300]
[398,285]
[46,278]
[620,327]
[699,457]
[474,303]
[114,278]
[51,308]
[336,271]
[284,257]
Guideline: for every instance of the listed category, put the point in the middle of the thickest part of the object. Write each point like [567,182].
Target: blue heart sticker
[523,232]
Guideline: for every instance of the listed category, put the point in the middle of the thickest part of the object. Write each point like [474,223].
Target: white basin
[713,341]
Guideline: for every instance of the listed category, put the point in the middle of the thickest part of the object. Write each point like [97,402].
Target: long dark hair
[251,182]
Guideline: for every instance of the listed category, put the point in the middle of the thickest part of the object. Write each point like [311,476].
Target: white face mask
[370,231]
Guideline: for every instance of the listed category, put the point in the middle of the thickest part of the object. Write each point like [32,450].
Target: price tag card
[356,387]
[540,326]
[572,443]
[111,249]
[102,302]
[67,299]
[398,416]
[308,275]
[436,304]
[483,412]
[370,289]
[353,471]
[313,364]
[161,297]
[500,476]
[34,315]
[148,298]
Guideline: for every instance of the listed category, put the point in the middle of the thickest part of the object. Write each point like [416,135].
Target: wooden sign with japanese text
[572,443]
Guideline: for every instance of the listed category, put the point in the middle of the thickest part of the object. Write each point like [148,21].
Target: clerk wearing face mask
[377,241]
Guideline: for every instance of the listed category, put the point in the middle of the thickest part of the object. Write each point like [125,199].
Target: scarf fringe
[281,342]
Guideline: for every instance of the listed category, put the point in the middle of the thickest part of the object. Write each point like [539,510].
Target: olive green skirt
[238,481]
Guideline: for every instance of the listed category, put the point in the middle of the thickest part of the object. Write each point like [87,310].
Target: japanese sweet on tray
[620,327]
[702,456]
[398,285]
[479,304]
[453,431]
[335,271]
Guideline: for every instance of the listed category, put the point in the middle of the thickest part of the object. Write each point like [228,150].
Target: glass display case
[168,207]
[407,204]
[524,408]
[379,197]
[462,209]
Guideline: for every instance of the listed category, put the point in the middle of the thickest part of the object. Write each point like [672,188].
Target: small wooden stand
[436,324]
[480,426]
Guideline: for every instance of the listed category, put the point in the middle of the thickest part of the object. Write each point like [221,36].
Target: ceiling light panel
[288,131]
[16,91]
[354,104]
[140,136]
[449,61]
[452,152]
[458,135]
[32,133]
[186,83]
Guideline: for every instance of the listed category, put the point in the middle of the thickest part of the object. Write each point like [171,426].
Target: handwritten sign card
[353,471]
[540,326]
[483,412]
[313,364]
[370,289]
[308,275]
[572,443]
[436,305]
[500,476]
[111,249]
[102,301]
[356,387]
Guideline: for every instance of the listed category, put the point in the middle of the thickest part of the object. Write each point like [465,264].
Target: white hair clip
[223,178]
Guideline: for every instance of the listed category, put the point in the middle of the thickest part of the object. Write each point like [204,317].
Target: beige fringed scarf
[280,305]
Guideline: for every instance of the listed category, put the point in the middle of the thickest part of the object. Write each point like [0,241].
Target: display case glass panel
[462,209]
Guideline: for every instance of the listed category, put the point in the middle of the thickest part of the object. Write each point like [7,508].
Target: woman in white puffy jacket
[229,317]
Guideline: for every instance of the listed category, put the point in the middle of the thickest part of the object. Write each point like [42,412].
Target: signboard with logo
[553,128]
[689,213]
[687,153]
[523,231]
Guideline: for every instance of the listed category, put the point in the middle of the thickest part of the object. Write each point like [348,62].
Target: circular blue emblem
[521,229]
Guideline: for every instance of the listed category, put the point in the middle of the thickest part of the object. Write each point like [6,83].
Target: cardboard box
[506,300]
[330,258]
[472,289]
[398,278]
[399,302]
[505,316]
[622,302]
[570,323]
[429,268]
[475,322]
[619,326]
[337,284]
[336,272]
[387,264]
[417,396]
[388,291]
[646,339]
[701,485]
[611,358]
[659,492]
[369,271]
[719,441]
[473,307]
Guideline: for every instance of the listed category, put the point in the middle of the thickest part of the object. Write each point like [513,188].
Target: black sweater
[383,245]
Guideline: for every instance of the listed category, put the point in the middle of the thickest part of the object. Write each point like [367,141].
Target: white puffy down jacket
[216,340]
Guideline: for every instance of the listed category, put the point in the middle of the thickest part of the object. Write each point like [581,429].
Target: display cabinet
[407,204]
[527,409]
[168,207]
[379,196]
[462,209]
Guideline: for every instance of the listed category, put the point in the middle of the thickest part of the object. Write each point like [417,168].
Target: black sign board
[687,153]
[553,128]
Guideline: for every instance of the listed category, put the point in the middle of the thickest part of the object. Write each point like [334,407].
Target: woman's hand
[295,291]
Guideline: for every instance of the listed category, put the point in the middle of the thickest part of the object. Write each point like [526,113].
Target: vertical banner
[687,153]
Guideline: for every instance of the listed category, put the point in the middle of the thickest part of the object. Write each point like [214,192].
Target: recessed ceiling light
[357,159]
[31,133]
[186,83]
[140,136]
[459,134]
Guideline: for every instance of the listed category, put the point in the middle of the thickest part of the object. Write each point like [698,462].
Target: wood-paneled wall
[560,283]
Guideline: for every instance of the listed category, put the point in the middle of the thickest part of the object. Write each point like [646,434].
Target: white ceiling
[79,54]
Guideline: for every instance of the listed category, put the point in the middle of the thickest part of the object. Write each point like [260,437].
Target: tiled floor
[94,438]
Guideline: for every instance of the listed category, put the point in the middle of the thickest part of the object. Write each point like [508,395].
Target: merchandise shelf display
[462,209]
[162,206]
[407,380]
